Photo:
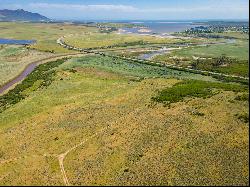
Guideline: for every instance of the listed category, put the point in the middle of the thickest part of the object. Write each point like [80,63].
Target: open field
[14,59]
[46,34]
[205,56]
[131,68]
[102,120]
[237,50]
[98,115]
[237,35]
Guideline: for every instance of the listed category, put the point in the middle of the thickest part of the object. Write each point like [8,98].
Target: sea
[160,27]
[156,27]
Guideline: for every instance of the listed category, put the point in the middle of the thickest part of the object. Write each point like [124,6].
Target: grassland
[238,50]
[45,34]
[104,108]
[205,57]
[14,59]
[94,40]
[107,121]
[237,35]
[127,68]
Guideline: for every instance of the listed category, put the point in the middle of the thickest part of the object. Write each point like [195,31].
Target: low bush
[244,97]
[194,88]
[243,117]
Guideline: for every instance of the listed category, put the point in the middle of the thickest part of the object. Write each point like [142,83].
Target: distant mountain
[21,15]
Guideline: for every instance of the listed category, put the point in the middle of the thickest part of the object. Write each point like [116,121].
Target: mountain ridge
[21,15]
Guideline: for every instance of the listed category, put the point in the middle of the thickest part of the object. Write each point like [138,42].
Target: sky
[133,9]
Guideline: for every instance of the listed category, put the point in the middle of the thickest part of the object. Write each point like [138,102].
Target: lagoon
[18,42]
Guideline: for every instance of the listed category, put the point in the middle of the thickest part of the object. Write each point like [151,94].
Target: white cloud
[126,8]
[123,8]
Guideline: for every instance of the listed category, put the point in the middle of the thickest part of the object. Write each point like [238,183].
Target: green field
[237,35]
[95,40]
[237,50]
[45,34]
[131,68]
[207,55]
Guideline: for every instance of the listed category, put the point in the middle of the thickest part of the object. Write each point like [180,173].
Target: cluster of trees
[214,62]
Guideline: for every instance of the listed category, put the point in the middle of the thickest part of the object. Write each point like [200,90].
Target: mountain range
[21,15]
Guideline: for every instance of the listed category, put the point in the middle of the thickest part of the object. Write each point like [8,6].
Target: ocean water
[19,42]
[161,27]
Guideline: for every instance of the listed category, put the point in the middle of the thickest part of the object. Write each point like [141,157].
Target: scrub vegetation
[102,120]
[14,59]
[121,138]
[195,88]
[41,77]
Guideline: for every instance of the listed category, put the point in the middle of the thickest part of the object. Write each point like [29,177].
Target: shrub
[244,97]
[243,117]
[194,88]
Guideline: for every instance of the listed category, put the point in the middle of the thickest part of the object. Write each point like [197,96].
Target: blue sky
[134,9]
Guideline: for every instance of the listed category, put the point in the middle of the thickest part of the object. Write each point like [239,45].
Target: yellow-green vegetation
[229,58]
[114,135]
[196,88]
[239,50]
[224,65]
[45,34]
[100,40]
[131,68]
[14,59]
[237,35]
